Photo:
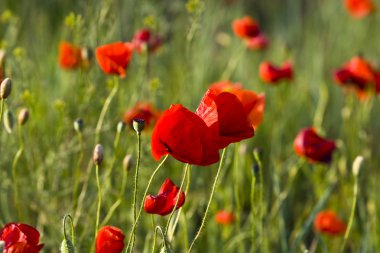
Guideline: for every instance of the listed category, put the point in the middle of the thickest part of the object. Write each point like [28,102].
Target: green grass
[318,36]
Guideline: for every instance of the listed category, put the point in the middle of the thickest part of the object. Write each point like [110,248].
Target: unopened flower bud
[67,246]
[79,125]
[2,246]
[8,122]
[138,125]
[98,154]
[120,126]
[87,54]
[5,88]
[127,162]
[23,116]
[357,165]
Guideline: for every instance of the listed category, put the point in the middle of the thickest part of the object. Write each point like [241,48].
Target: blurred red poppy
[313,147]
[20,238]
[182,134]
[358,74]
[225,113]
[109,240]
[224,217]
[273,74]
[70,56]
[359,8]
[145,37]
[142,110]
[327,222]
[259,42]
[245,27]
[163,203]
[114,58]
[2,65]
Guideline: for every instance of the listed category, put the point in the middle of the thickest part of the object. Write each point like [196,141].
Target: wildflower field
[189,126]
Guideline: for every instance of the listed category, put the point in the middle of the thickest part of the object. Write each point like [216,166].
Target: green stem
[253,183]
[352,215]
[261,200]
[178,198]
[209,201]
[99,200]
[105,109]
[14,173]
[155,232]
[236,189]
[232,64]
[78,170]
[1,109]
[142,202]
[134,208]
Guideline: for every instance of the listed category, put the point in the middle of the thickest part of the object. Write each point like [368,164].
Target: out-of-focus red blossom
[2,65]
[224,217]
[254,104]
[163,203]
[145,37]
[185,136]
[224,113]
[270,73]
[142,110]
[359,8]
[245,27]
[327,222]
[109,240]
[20,238]
[359,75]
[70,56]
[114,58]
[259,42]
[313,147]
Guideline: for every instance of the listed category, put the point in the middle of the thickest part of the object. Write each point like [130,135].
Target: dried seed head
[357,165]
[67,246]
[138,125]
[2,246]
[120,126]
[23,116]
[127,162]
[79,125]
[5,88]
[9,122]
[98,154]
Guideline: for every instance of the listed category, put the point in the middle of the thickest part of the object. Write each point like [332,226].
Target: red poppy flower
[359,8]
[315,148]
[182,134]
[141,110]
[109,240]
[272,74]
[20,238]
[327,222]
[245,27]
[225,112]
[114,58]
[70,56]
[147,38]
[259,42]
[253,103]
[224,217]
[163,203]
[357,74]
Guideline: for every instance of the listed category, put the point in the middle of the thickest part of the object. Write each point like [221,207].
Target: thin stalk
[78,170]
[177,200]
[14,173]
[99,200]
[142,203]
[261,199]
[155,232]
[134,208]
[1,109]
[236,189]
[253,183]
[209,201]
[232,64]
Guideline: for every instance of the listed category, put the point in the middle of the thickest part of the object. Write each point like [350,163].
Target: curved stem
[14,173]
[105,109]
[72,228]
[99,200]
[178,198]
[142,202]
[209,201]
[134,208]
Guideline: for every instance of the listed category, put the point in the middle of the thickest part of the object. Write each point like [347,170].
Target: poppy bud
[5,88]
[67,246]
[87,54]
[138,125]
[79,125]
[127,162]
[120,126]
[23,116]
[98,154]
[2,246]
[8,122]
[357,165]
[109,239]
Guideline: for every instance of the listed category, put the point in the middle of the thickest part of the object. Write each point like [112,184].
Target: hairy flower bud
[98,154]
[67,246]
[5,88]
[79,125]
[138,125]
[23,116]
[8,122]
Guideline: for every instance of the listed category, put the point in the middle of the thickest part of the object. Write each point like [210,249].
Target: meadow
[271,191]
